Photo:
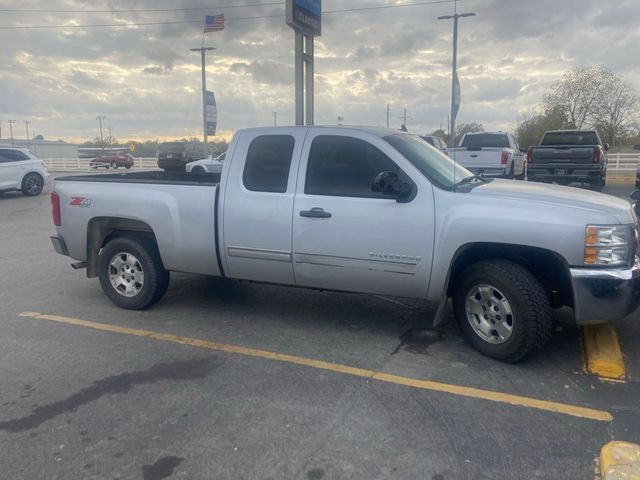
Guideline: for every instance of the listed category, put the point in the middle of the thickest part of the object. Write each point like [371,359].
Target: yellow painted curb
[620,461]
[603,356]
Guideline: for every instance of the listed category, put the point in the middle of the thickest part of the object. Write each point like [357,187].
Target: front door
[345,236]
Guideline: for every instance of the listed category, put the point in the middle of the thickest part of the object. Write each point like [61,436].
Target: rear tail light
[55,209]
[504,158]
[596,155]
[530,155]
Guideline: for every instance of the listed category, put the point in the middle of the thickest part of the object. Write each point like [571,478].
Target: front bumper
[59,246]
[605,294]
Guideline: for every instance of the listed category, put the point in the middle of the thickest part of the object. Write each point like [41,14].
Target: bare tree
[617,109]
[577,93]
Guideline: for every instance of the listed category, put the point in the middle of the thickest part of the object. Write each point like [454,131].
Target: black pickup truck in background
[566,156]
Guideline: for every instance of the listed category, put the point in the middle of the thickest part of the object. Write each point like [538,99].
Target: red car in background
[113,161]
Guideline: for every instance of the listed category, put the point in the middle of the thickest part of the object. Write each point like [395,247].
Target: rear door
[12,162]
[345,236]
[258,204]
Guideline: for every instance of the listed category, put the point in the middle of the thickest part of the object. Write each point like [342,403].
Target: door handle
[315,212]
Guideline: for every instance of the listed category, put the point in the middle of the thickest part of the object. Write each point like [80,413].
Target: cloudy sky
[146,82]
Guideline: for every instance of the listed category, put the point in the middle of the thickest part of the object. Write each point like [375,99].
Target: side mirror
[387,183]
[606,147]
[635,195]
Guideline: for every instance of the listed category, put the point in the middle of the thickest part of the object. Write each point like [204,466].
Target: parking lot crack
[115,384]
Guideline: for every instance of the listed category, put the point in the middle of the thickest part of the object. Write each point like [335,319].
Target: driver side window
[344,166]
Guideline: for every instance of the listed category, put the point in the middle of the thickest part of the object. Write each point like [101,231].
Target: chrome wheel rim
[126,274]
[490,314]
[33,184]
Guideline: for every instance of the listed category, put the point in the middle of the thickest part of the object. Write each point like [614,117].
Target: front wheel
[32,184]
[114,165]
[131,273]
[502,310]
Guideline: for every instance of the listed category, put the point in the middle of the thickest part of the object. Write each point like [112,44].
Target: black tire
[156,278]
[128,167]
[531,311]
[32,184]
[198,169]
[114,165]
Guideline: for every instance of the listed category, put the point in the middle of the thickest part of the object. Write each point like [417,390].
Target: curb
[603,356]
[620,461]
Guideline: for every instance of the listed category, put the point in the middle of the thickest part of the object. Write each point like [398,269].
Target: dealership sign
[305,16]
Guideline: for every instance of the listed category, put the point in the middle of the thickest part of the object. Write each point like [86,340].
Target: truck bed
[155,178]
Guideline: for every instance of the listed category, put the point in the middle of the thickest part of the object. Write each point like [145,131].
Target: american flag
[213,23]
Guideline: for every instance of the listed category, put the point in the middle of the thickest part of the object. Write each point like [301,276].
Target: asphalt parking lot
[229,380]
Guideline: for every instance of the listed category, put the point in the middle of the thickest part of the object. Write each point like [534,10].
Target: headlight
[608,245]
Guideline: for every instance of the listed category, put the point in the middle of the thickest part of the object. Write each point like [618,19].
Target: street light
[202,51]
[454,73]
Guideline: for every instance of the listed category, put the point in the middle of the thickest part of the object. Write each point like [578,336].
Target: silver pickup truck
[366,210]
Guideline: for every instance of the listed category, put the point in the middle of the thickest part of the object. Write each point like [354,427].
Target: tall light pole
[203,51]
[455,86]
[100,118]
[11,122]
[26,124]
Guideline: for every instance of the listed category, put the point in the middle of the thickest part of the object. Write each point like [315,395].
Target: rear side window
[268,163]
[12,156]
[344,166]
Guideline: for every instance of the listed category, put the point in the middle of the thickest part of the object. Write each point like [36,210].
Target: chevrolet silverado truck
[566,156]
[367,210]
[492,154]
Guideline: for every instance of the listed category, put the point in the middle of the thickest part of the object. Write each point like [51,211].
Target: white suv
[21,170]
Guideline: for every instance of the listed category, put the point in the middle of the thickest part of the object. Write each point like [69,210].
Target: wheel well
[551,270]
[101,230]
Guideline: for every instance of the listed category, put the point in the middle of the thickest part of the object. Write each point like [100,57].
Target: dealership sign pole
[304,16]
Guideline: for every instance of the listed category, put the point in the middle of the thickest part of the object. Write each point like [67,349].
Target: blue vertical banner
[211,110]
[456,94]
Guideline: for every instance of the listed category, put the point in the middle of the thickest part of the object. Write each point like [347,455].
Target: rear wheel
[131,273]
[32,184]
[114,165]
[197,169]
[502,310]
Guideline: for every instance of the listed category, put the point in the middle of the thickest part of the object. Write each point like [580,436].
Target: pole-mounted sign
[305,17]
[211,114]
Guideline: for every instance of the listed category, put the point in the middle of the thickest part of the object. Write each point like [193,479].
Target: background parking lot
[240,380]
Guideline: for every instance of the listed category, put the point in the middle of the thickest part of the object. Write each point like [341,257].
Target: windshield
[486,140]
[431,162]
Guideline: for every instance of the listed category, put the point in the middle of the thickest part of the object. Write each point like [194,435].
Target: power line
[136,10]
[229,19]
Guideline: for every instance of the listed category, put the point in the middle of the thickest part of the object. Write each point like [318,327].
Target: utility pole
[11,122]
[110,137]
[203,51]
[455,86]
[404,118]
[388,111]
[100,118]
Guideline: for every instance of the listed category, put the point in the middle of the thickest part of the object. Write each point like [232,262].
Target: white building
[45,148]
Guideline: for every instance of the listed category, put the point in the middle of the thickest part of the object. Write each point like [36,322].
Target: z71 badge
[80,202]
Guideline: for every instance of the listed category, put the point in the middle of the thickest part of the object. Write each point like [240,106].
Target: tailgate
[486,158]
[576,155]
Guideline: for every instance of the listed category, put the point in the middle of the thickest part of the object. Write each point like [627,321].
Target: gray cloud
[147,82]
